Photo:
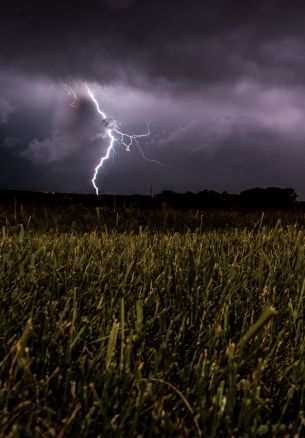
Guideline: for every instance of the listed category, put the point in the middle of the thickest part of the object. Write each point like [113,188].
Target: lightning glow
[115,136]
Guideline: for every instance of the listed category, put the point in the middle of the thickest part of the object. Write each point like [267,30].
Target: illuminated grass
[150,334]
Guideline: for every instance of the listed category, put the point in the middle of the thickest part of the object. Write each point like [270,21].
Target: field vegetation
[151,323]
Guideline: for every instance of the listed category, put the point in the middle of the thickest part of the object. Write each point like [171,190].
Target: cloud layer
[222,84]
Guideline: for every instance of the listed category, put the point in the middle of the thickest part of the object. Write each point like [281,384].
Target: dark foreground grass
[152,334]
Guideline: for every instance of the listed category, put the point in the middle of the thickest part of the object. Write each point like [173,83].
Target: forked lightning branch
[113,134]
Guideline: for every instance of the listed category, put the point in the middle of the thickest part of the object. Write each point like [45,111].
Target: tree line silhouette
[256,198]
[271,197]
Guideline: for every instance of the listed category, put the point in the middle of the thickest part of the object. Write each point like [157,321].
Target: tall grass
[112,333]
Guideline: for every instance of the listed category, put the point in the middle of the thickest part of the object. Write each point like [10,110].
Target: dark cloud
[221,82]
[194,42]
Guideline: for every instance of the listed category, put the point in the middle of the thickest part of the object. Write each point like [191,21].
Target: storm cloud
[221,84]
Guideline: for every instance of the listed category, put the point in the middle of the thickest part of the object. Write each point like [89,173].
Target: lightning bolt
[72,93]
[116,136]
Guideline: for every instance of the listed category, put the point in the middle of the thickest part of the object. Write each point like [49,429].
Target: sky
[219,83]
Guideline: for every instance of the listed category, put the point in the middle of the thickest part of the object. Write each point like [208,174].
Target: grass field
[113,328]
